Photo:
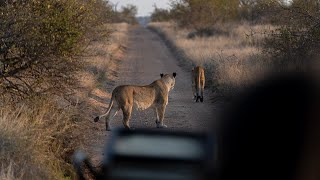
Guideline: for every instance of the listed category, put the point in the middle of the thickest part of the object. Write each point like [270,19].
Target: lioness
[154,95]
[198,82]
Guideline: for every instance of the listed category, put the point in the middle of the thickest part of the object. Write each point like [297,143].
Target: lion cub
[198,82]
[154,95]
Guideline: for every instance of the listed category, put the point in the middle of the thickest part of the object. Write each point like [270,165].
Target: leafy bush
[298,34]
[203,14]
[160,15]
[40,42]
[126,14]
[260,11]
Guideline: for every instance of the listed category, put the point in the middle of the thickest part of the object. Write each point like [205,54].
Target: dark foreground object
[149,154]
[272,131]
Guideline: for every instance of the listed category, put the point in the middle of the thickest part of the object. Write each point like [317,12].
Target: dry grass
[39,135]
[35,139]
[231,57]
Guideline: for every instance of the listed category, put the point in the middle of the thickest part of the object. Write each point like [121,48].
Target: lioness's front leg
[161,111]
[157,116]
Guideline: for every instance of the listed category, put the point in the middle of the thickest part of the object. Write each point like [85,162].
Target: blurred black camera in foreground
[151,155]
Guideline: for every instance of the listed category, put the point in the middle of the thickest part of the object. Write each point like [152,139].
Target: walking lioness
[198,82]
[154,95]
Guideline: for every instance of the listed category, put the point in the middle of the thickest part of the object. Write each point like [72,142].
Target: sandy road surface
[147,57]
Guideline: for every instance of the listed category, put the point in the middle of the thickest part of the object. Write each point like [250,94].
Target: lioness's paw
[162,126]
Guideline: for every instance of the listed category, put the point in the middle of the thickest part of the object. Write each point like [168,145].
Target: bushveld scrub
[45,47]
[126,14]
[297,38]
[160,15]
[39,39]
[232,57]
[202,14]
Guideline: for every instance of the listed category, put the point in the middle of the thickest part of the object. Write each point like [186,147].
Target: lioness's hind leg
[157,116]
[198,93]
[113,112]
[127,110]
[201,98]
[161,111]
[194,92]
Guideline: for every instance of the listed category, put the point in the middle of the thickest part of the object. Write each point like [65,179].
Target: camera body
[156,155]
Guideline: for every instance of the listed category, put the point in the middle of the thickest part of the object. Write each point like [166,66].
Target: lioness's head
[169,80]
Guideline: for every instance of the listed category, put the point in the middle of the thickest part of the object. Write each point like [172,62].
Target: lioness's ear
[161,75]
[174,74]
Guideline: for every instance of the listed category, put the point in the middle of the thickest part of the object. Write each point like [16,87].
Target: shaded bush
[207,33]
[127,14]
[40,42]
[298,34]
[160,15]
[261,11]
[203,14]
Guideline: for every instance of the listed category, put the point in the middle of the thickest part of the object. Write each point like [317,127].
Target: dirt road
[147,57]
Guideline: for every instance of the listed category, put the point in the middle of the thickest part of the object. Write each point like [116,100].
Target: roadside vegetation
[54,55]
[241,41]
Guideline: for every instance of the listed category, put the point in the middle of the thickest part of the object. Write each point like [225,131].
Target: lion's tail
[96,119]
